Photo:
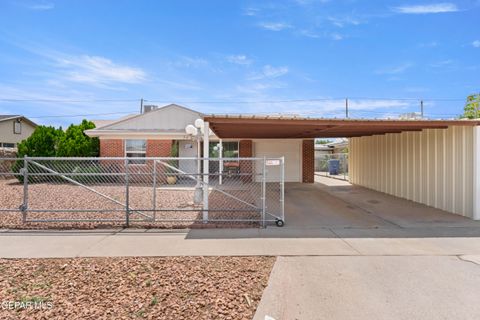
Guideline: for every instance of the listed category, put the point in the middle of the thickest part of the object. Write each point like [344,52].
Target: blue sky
[67,57]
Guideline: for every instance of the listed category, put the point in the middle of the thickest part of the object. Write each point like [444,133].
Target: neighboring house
[339,145]
[14,129]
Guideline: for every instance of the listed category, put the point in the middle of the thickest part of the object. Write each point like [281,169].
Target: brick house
[156,131]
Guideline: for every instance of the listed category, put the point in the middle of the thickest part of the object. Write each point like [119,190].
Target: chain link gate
[149,192]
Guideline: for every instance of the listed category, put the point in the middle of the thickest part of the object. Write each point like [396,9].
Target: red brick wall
[159,148]
[308,161]
[245,150]
[111,148]
[115,148]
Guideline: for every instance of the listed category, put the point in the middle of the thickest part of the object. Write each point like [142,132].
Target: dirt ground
[133,288]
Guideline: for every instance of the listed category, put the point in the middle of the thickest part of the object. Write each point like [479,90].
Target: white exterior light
[191,130]
[199,123]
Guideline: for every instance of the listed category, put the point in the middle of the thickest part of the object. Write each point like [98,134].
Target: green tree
[42,143]
[472,107]
[75,143]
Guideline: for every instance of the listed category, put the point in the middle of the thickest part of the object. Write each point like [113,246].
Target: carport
[435,163]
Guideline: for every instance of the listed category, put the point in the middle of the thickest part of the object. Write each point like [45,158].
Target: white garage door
[290,149]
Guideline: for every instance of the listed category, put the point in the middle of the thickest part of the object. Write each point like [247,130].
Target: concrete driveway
[373,287]
[397,273]
[332,203]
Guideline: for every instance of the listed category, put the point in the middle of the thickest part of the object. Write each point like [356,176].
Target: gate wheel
[279,223]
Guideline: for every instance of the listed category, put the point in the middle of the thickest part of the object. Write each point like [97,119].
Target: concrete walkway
[270,242]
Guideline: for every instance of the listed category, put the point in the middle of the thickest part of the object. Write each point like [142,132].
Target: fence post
[346,107]
[264,180]
[206,169]
[24,206]
[220,166]
[154,189]
[127,196]
[282,188]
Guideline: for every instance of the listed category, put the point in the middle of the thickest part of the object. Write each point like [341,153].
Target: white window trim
[142,152]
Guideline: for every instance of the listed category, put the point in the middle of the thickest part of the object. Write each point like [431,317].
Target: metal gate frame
[265,214]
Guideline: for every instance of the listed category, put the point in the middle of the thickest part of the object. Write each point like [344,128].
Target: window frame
[15,123]
[237,149]
[213,143]
[144,152]
[11,145]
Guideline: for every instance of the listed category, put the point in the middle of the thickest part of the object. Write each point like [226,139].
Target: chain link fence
[146,192]
[332,165]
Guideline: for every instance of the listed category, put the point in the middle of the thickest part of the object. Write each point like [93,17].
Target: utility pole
[346,107]
[421,108]
[141,105]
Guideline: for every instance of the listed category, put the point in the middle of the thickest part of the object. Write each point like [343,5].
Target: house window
[230,149]
[136,149]
[7,145]
[17,127]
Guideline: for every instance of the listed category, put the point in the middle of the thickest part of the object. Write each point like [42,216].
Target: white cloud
[442,63]
[343,21]
[430,44]
[309,34]
[275,26]
[240,59]
[270,72]
[259,88]
[476,44]
[337,36]
[376,104]
[427,8]
[94,70]
[325,107]
[41,6]
[190,62]
[395,69]
[310,2]
[99,70]
[251,11]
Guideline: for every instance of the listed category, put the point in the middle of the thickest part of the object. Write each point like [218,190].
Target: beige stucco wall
[434,166]
[7,135]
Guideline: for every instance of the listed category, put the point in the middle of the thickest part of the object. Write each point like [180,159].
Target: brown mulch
[134,288]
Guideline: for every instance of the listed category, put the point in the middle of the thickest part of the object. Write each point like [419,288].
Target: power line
[306,112]
[67,100]
[81,115]
[228,101]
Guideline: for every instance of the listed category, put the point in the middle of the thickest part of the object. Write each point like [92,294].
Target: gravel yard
[134,288]
[56,196]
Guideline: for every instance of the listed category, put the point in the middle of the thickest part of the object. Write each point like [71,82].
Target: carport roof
[279,127]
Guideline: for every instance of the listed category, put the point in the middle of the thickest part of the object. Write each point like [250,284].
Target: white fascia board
[117,134]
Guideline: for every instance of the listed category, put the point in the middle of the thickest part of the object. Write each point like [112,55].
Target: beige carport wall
[436,167]
[434,162]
